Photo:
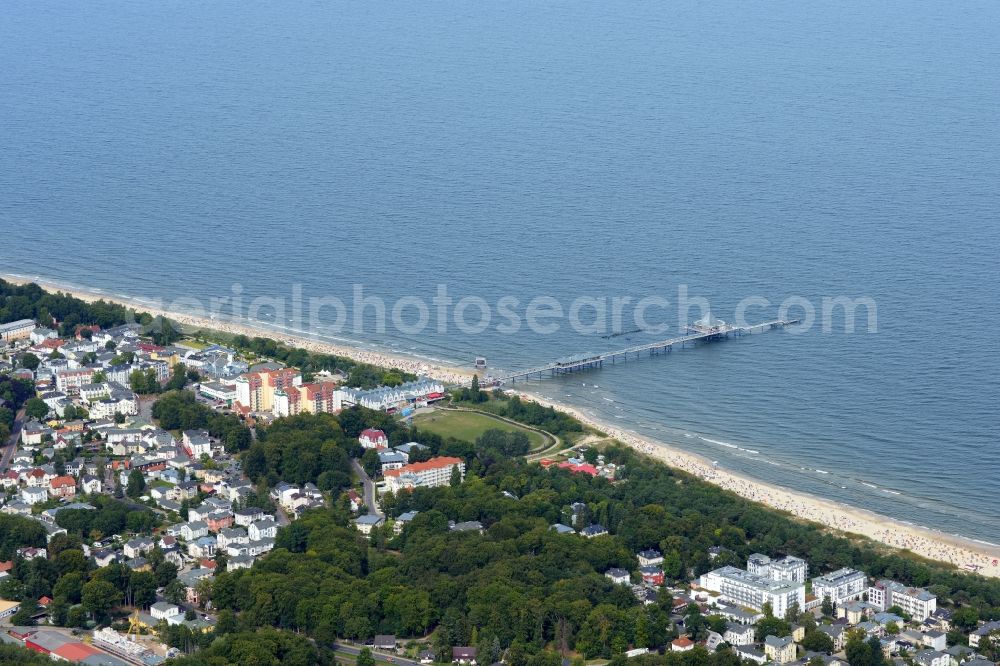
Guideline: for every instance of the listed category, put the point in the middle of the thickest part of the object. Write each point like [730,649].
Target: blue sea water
[562,149]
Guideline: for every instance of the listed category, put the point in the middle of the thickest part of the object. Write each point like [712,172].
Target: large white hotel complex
[780,586]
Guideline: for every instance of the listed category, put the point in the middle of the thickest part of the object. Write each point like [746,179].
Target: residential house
[372,438]
[651,575]
[263,529]
[193,530]
[163,610]
[618,576]
[63,486]
[932,658]
[34,495]
[90,484]
[244,517]
[385,642]
[681,644]
[463,655]
[739,634]
[197,443]
[780,650]
[367,522]
[650,558]
[595,530]
[138,546]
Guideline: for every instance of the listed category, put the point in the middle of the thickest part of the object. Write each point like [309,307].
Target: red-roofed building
[81,328]
[52,343]
[63,486]
[583,468]
[372,438]
[682,644]
[433,472]
[75,652]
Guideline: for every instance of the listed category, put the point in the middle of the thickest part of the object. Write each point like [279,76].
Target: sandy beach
[927,543]
[415,365]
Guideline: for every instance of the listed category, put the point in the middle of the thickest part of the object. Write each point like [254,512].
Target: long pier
[696,333]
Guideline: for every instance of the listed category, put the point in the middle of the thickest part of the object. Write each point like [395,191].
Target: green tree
[142,588]
[29,361]
[99,597]
[36,408]
[365,658]
[23,616]
[456,477]
[136,484]
[817,641]
[175,591]
[827,607]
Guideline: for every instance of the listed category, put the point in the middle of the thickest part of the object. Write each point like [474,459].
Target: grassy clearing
[468,426]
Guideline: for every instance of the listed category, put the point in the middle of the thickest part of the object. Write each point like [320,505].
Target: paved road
[11,446]
[369,489]
[354,650]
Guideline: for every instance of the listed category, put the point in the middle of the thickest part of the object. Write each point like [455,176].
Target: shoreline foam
[929,543]
[925,542]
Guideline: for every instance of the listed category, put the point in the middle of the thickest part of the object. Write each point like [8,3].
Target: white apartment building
[786,569]
[916,601]
[434,472]
[70,381]
[840,586]
[753,590]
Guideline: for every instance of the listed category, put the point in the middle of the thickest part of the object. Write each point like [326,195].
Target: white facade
[434,472]
[753,591]
[787,569]
[915,601]
[840,586]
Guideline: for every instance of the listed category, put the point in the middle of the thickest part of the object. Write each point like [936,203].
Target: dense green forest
[180,410]
[30,301]
[14,393]
[520,588]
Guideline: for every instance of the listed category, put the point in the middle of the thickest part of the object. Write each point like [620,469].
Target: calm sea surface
[562,149]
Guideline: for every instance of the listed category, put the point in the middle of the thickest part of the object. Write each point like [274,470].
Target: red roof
[62,481]
[433,463]
[683,641]
[372,433]
[7,566]
[75,651]
[585,468]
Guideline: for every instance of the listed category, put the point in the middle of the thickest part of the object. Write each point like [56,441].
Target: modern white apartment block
[786,569]
[752,590]
[840,586]
[916,601]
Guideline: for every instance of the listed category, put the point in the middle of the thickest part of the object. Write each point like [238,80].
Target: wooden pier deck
[589,361]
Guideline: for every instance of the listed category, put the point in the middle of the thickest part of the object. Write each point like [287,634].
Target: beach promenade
[924,542]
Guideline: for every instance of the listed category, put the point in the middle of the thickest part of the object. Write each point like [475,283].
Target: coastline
[928,543]
[415,365]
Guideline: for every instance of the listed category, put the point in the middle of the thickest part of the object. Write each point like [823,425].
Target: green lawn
[470,425]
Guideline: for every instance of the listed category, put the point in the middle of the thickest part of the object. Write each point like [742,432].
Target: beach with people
[963,553]
[967,554]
